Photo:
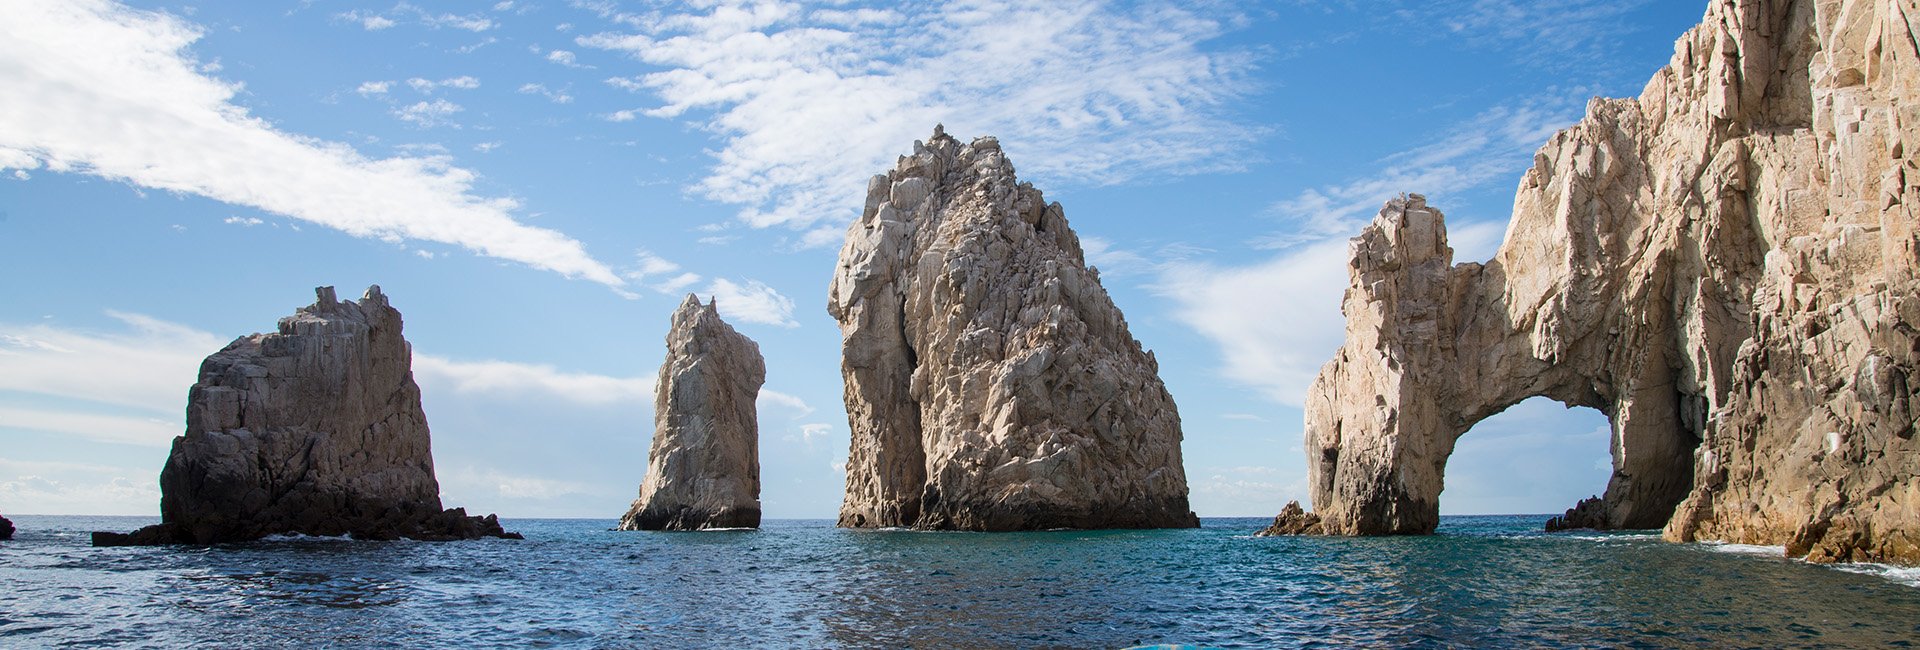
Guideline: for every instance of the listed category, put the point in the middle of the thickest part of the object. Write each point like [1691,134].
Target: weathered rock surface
[316,430]
[6,528]
[704,468]
[991,384]
[1589,514]
[1724,266]
[1292,520]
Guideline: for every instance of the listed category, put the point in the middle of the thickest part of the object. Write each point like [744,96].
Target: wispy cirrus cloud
[752,301]
[117,95]
[809,103]
[1278,320]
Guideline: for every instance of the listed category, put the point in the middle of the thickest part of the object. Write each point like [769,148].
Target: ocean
[574,583]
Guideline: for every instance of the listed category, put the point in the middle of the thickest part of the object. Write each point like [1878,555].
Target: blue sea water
[1481,582]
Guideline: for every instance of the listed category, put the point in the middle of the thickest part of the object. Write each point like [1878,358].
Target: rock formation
[1292,520]
[1589,514]
[6,529]
[315,430]
[1725,267]
[704,469]
[991,384]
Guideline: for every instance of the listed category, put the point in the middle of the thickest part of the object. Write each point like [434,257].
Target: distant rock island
[1725,267]
[704,467]
[314,430]
[991,384]
[6,529]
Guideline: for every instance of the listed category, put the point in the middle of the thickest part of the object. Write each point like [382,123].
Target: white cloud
[753,302]
[372,22]
[810,104]
[487,147]
[620,116]
[809,433]
[1492,146]
[790,402]
[659,274]
[70,488]
[1277,321]
[429,114]
[565,58]
[492,482]
[146,366]
[145,431]
[555,96]
[469,23]
[510,379]
[371,88]
[116,96]
[243,221]
[462,82]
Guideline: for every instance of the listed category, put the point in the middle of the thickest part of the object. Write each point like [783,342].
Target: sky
[536,183]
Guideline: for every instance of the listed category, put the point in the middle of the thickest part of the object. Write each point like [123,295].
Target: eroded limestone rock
[1724,266]
[316,430]
[704,468]
[991,384]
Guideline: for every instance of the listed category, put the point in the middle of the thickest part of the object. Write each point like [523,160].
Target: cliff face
[704,468]
[991,384]
[1724,266]
[315,429]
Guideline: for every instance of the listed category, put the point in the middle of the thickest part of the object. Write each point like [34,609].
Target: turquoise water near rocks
[1481,582]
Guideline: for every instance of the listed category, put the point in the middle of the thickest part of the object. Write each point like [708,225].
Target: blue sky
[535,183]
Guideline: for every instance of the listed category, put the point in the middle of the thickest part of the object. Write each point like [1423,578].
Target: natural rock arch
[1433,349]
[1727,266]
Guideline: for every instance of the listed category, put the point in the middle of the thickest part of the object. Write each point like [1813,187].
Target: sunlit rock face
[991,384]
[315,429]
[1724,266]
[704,467]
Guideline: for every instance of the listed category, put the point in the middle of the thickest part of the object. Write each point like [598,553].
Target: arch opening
[1535,457]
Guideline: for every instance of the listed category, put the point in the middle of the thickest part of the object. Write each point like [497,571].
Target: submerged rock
[1725,266]
[991,384]
[314,430]
[704,467]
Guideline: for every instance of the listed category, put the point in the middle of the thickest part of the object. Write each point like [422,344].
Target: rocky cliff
[1724,266]
[991,384]
[704,468]
[315,429]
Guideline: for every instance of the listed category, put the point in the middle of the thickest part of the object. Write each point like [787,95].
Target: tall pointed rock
[315,429]
[704,468]
[991,384]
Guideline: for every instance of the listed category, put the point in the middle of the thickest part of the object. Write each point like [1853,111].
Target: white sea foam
[1906,575]
[1746,549]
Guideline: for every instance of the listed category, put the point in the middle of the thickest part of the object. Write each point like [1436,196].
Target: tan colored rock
[704,467]
[1724,266]
[315,429]
[991,384]
[1292,520]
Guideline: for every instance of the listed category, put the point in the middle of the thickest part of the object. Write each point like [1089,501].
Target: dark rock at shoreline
[1589,514]
[316,429]
[1292,520]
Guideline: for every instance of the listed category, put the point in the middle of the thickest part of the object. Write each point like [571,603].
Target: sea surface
[1481,582]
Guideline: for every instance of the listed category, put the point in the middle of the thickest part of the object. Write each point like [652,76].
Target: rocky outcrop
[1292,520]
[704,468]
[6,529]
[1725,267]
[316,430]
[1589,514]
[991,384]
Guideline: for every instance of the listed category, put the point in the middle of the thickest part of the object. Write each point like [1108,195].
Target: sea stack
[1726,267]
[991,384]
[313,430]
[704,468]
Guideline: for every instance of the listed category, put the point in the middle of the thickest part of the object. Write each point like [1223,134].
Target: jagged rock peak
[991,384]
[315,429]
[1725,266]
[703,470]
